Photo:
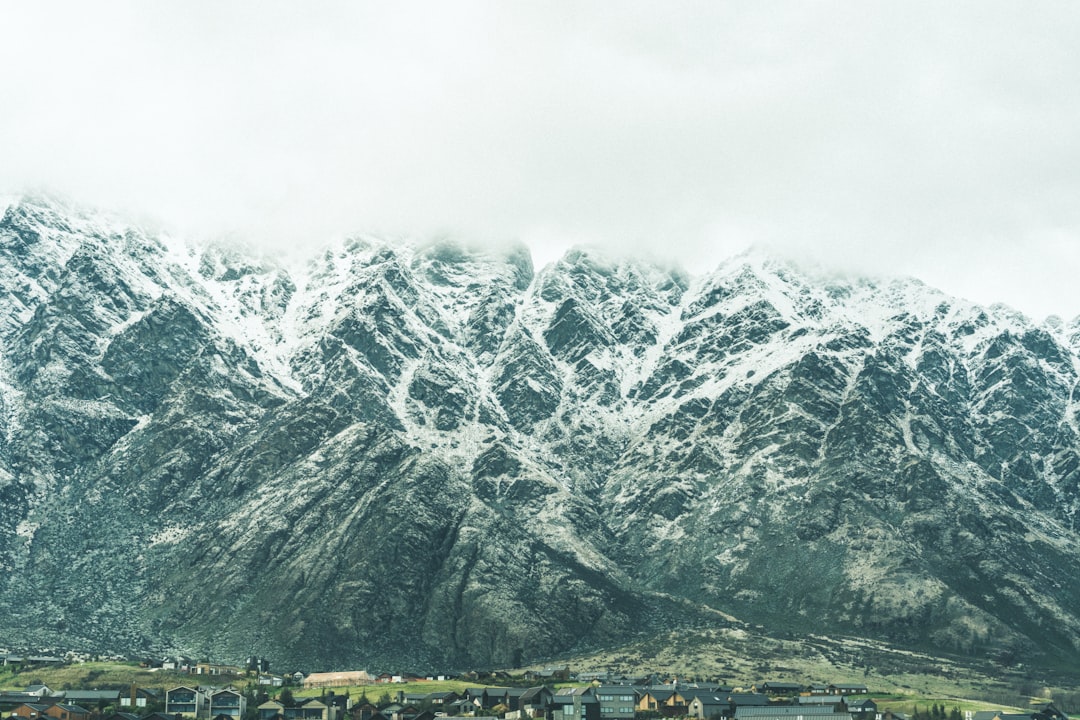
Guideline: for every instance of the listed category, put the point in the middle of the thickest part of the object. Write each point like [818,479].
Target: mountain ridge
[435,446]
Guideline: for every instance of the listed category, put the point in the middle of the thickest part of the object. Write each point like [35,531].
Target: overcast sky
[927,138]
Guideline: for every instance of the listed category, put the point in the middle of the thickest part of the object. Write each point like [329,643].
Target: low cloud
[877,137]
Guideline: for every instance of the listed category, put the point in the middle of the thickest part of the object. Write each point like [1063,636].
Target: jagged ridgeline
[435,454]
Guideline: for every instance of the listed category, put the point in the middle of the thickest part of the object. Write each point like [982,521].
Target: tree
[286,698]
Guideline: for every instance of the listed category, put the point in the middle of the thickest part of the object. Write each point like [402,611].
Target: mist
[873,137]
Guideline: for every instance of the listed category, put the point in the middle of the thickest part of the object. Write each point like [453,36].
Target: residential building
[229,702]
[65,711]
[617,702]
[138,697]
[186,701]
[30,711]
[577,703]
[707,705]
[92,699]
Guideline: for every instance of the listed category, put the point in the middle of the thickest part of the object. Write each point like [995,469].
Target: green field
[91,675]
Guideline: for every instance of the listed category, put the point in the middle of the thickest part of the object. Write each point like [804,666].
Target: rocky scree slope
[432,454]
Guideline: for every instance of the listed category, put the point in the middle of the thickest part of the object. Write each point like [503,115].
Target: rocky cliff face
[433,454]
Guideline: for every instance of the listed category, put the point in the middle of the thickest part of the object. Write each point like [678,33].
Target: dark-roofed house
[1048,712]
[65,711]
[737,700]
[862,708]
[998,715]
[12,700]
[707,705]
[441,698]
[92,698]
[535,701]
[512,698]
[617,702]
[122,716]
[652,697]
[141,696]
[847,689]
[781,688]
[30,711]
[578,703]
[833,700]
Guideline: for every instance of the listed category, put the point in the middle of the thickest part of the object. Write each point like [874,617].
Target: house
[138,697]
[67,711]
[271,709]
[462,706]
[122,716]
[438,699]
[864,708]
[228,702]
[618,702]
[998,715]
[1048,712]
[486,698]
[781,688]
[212,669]
[707,705]
[651,698]
[737,700]
[187,701]
[92,698]
[39,691]
[311,709]
[551,673]
[30,711]
[535,701]
[833,700]
[847,689]
[578,703]
[11,700]
[158,716]
[303,709]
[361,711]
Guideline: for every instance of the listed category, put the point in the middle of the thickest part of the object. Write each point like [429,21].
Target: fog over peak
[916,139]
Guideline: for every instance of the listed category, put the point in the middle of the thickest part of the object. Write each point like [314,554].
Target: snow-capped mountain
[432,453]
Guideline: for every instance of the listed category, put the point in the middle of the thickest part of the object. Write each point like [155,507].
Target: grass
[92,675]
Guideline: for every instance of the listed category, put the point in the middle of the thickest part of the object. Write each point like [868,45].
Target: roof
[709,699]
[74,709]
[788,711]
[91,694]
[743,699]
[573,691]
